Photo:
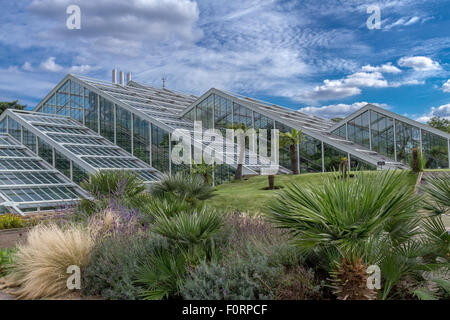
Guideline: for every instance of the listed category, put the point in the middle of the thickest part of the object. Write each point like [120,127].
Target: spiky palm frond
[438,189]
[185,186]
[344,214]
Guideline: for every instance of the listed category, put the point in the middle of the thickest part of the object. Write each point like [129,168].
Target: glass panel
[160,149]
[333,158]
[285,153]
[341,132]
[123,129]
[358,164]
[382,134]
[242,115]
[223,113]
[91,110]
[310,155]
[204,112]
[62,99]
[45,151]
[62,164]
[79,174]
[435,149]
[358,130]
[107,119]
[141,139]
[29,139]
[408,138]
[223,173]
[14,129]
[3,126]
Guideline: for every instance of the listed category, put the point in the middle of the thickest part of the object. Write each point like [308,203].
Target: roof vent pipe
[114,76]
[122,78]
[128,77]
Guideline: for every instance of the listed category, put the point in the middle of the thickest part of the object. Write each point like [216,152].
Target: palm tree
[292,139]
[237,126]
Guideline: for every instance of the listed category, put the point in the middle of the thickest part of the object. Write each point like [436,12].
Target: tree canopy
[440,123]
[11,105]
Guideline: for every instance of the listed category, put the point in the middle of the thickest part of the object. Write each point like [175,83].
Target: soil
[9,238]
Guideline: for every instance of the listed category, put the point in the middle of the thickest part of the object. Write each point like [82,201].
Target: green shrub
[190,187]
[11,221]
[119,184]
[161,274]
[6,259]
[241,278]
[168,206]
[115,264]
[345,215]
[188,228]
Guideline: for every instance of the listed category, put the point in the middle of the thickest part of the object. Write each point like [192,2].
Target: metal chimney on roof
[128,77]
[114,76]
[122,78]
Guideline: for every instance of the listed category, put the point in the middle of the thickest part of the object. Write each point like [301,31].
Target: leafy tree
[440,123]
[292,139]
[11,105]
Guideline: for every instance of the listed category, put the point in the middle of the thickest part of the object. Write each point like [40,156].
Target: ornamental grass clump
[39,268]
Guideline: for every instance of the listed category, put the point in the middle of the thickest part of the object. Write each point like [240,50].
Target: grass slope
[249,196]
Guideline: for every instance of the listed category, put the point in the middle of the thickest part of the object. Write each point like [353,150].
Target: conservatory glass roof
[89,150]
[27,182]
[162,107]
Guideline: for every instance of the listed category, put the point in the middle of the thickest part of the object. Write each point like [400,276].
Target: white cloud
[50,65]
[340,110]
[27,66]
[346,87]
[385,68]
[442,111]
[402,22]
[446,86]
[419,63]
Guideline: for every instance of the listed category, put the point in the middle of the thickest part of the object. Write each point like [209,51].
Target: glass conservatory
[85,125]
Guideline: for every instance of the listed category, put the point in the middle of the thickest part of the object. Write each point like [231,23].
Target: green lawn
[249,196]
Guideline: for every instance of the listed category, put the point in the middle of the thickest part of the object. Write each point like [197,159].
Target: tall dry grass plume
[40,264]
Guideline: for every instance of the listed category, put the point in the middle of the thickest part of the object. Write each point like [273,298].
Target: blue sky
[317,56]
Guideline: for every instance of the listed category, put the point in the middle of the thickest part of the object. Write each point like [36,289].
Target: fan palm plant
[350,222]
[291,139]
[438,191]
[190,187]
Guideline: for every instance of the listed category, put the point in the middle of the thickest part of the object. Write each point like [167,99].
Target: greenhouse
[86,125]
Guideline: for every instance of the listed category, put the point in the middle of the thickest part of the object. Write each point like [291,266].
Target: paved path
[4,296]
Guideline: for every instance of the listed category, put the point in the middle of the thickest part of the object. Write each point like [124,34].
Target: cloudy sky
[317,56]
